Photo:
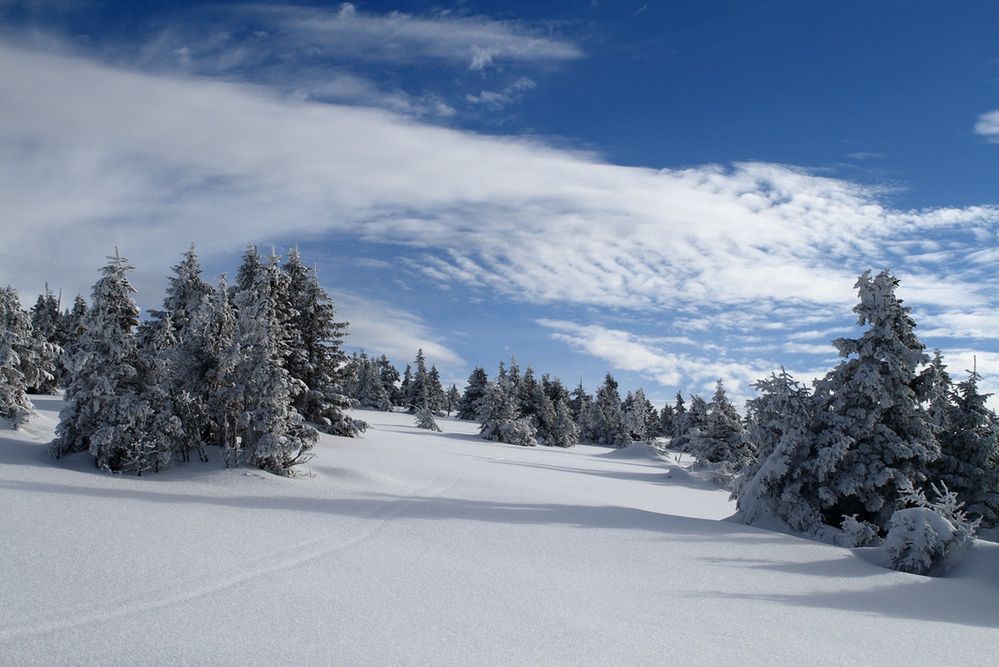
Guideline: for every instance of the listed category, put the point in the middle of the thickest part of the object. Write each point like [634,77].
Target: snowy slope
[408,547]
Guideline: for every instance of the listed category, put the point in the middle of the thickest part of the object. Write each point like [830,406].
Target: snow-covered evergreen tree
[312,349]
[404,386]
[273,435]
[607,421]
[435,390]
[14,332]
[185,291]
[778,424]
[162,433]
[71,331]
[418,391]
[667,422]
[969,462]
[425,419]
[723,438]
[46,324]
[529,395]
[872,435]
[106,412]
[369,392]
[499,418]
[638,415]
[560,429]
[468,406]
[453,397]
[389,376]
[690,423]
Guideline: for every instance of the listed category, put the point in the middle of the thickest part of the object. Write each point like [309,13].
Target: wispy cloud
[988,125]
[93,156]
[381,328]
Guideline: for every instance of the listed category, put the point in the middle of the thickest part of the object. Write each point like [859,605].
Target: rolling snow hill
[411,547]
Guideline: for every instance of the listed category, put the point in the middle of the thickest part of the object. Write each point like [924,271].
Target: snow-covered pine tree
[71,332]
[404,386]
[453,397]
[607,417]
[577,399]
[468,406]
[313,353]
[162,433]
[369,392]
[202,364]
[969,445]
[873,439]
[425,419]
[273,434]
[435,390]
[679,410]
[554,389]
[418,392]
[389,376]
[638,415]
[563,432]
[185,291]
[14,329]
[935,391]
[690,423]
[105,412]
[499,419]
[46,323]
[667,422]
[778,424]
[529,395]
[723,438]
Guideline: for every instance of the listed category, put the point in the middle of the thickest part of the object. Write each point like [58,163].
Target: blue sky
[674,192]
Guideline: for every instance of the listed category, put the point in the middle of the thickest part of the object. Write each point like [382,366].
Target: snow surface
[412,547]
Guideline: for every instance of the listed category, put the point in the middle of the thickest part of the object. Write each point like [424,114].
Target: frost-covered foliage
[435,390]
[163,431]
[722,439]
[418,388]
[690,423]
[273,435]
[425,419]
[607,424]
[929,538]
[14,334]
[186,289]
[778,422]
[106,412]
[562,430]
[499,418]
[46,324]
[453,397]
[311,345]
[969,444]
[872,435]
[639,416]
[368,389]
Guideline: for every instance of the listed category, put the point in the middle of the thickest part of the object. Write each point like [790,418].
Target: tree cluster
[253,369]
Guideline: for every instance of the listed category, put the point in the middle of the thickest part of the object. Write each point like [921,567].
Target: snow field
[411,547]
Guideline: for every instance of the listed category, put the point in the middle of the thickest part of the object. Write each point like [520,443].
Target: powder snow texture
[413,547]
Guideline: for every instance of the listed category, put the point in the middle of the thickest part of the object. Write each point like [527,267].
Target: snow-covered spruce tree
[106,413]
[607,418]
[71,331]
[14,328]
[513,377]
[468,406]
[46,323]
[562,431]
[273,434]
[872,435]
[577,399]
[162,433]
[314,355]
[969,446]
[529,395]
[369,392]
[425,419]
[679,410]
[418,391]
[935,391]
[499,419]
[667,422]
[690,424]
[435,390]
[185,291]
[723,438]
[202,364]
[404,385]
[452,397]
[778,423]
[638,415]
[389,376]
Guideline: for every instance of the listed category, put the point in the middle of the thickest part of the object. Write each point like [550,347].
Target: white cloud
[988,125]
[92,157]
[381,328]
[476,42]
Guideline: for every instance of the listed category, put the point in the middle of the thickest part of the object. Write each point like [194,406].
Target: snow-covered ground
[410,547]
